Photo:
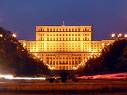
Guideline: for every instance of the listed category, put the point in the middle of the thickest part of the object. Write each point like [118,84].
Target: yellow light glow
[125,35]
[35,54]
[102,44]
[113,35]
[14,35]
[24,44]
[1,35]
[74,68]
[119,35]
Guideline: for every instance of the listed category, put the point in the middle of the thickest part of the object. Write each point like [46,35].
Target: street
[89,87]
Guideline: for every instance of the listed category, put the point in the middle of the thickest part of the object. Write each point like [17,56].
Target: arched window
[78,29]
[51,30]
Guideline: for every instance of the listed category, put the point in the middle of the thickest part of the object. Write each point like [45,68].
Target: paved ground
[82,87]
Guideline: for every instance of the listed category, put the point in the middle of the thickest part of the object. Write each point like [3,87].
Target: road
[88,87]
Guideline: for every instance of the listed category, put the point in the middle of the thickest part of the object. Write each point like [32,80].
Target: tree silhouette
[113,59]
[15,57]
[113,53]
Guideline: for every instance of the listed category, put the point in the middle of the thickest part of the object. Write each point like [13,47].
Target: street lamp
[74,68]
[24,44]
[102,44]
[113,35]
[119,36]
[125,35]
[1,35]
[14,35]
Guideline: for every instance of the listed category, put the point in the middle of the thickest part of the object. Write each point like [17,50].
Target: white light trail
[29,78]
[11,77]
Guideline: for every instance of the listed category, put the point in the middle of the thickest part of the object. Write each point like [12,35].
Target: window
[51,62]
[72,62]
[50,29]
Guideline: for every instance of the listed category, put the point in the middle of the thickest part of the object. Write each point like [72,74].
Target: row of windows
[64,67]
[63,48]
[64,34]
[64,39]
[63,62]
[64,30]
[63,58]
[57,45]
[95,46]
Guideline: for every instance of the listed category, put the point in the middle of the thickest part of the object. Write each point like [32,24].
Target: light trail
[29,78]
[106,76]
[11,77]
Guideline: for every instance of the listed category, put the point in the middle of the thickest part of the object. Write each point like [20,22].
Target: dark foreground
[82,87]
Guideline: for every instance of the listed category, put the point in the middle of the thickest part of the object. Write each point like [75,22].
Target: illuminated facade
[64,47]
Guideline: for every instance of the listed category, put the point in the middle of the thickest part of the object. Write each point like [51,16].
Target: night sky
[21,16]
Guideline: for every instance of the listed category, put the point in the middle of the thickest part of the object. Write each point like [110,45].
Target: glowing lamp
[102,44]
[113,35]
[119,35]
[125,35]
[1,35]
[14,35]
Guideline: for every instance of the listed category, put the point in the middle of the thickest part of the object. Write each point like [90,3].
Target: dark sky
[21,16]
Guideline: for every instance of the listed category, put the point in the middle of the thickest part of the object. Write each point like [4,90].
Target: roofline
[63,25]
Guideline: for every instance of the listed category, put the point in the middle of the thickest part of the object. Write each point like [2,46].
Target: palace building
[64,47]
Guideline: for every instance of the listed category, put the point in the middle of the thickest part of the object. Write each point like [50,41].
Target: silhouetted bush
[113,59]
[15,57]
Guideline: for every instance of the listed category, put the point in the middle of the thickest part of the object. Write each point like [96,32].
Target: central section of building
[64,47]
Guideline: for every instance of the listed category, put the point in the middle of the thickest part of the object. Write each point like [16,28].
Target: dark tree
[64,76]
[14,56]
[113,59]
